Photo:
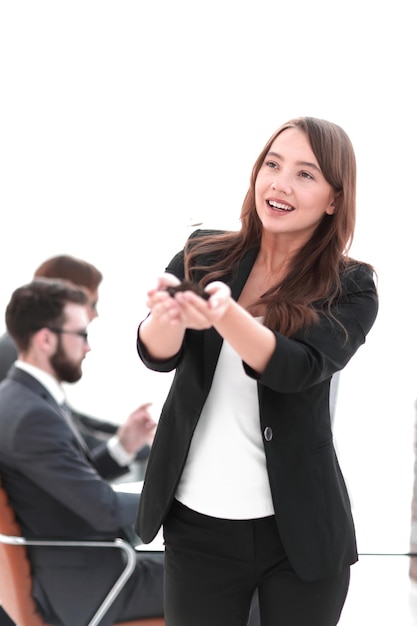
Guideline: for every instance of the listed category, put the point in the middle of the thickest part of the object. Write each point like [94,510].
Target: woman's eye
[270,164]
[306,175]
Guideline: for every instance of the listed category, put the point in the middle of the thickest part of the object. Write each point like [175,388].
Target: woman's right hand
[162,332]
[162,306]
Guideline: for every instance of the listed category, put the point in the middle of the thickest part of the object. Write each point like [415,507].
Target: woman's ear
[331,209]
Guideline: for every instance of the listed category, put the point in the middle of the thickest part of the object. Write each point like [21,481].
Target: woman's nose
[281,183]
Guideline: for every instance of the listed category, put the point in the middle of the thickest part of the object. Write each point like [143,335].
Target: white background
[123,123]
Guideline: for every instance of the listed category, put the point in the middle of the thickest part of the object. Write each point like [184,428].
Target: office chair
[16,578]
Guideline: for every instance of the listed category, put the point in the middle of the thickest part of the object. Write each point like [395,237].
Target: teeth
[278,205]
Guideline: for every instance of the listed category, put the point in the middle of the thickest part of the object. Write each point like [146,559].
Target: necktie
[66,412]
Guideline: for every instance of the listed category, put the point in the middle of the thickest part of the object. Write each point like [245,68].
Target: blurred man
[87,276]
[56,484]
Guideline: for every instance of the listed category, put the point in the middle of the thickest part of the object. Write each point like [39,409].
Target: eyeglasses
[61,331]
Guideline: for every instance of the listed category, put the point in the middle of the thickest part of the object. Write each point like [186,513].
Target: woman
[287,309]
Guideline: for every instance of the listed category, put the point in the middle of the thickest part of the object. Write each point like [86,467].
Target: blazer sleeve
[96,434]
[44,451]
[311,356]
[175,267]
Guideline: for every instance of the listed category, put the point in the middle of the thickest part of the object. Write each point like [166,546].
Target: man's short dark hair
[37,305]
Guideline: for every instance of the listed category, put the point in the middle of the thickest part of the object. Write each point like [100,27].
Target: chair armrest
[119,544]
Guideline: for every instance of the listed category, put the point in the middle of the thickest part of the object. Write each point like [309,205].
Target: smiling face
[291,194]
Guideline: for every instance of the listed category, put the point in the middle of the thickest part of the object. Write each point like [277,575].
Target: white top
[225,474]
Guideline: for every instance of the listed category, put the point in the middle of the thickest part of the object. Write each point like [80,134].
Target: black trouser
[213,566]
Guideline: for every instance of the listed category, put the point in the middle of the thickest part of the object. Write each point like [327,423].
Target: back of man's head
[70,268]
[37,305]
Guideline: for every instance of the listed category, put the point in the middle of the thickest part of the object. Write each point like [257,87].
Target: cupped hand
[162,306]
[199,314]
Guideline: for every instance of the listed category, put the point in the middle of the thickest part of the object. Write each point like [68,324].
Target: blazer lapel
[212,339]
[22,377]
[66,413]
[243,272]
[34,385]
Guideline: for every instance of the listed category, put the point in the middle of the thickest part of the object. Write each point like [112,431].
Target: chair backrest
[16,576]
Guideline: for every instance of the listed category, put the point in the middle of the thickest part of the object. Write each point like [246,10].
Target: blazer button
[268,434]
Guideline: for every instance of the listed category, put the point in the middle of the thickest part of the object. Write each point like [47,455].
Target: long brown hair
[316,269]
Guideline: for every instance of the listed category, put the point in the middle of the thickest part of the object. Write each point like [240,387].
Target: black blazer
[58,492]
[310,498]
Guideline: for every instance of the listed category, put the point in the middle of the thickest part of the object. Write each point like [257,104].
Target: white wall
[124,122]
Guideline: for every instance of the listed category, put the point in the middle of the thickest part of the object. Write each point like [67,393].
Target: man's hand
[138,430]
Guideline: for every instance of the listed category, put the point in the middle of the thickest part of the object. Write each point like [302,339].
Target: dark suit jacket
[92,429]
[310,499]
[8,354]
[89,426]
[57,492]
